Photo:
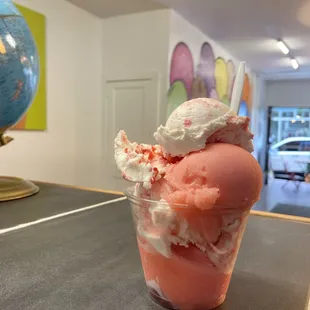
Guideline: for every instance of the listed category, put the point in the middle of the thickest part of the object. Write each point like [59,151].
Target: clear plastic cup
[187,254]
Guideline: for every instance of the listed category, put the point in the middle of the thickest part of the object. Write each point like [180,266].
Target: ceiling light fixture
[294,63]
[285,50]
[283,47]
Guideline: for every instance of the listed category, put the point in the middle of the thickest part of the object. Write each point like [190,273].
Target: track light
[294,63]
[283,47]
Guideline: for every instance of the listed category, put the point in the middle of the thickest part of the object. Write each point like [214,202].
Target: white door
[132,104]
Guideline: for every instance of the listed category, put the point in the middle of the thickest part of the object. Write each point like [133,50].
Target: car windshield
[304,146]
[294,146]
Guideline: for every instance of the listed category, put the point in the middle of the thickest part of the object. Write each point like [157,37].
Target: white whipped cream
[139,163]
[153,284]
[159,242]
[163,220]
[166,229]
[191,125]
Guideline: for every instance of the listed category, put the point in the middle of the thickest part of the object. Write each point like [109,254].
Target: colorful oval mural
[231,70]
[206,67]
[214,78]
[182,67]
[221,78]
[177,95]
[199,88]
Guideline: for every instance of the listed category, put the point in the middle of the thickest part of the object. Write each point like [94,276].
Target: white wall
[68,148]
[288,93]
[88,100]
[135,45]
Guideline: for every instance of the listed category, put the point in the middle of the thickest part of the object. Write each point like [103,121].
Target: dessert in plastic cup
[187,254]
[193,193]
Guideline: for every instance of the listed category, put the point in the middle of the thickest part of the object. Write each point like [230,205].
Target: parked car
[290,155]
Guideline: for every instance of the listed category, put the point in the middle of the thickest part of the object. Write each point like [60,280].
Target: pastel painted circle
[206,67]
[213,94]
[199,89]
[231,70]
[243,110]
[221,77]
[182,67]
[177,94]
[247,90]
[225,100]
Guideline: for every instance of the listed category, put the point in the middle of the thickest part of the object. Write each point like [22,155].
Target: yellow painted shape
[221,77]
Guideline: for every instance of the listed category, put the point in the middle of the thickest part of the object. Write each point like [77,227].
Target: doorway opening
[287,189]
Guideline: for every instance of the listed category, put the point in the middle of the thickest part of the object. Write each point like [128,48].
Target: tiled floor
[274,194]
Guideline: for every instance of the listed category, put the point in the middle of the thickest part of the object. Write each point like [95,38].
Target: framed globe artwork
[22,83]
[35,118]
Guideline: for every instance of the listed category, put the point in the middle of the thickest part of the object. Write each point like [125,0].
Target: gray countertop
[90,260]
[52,199]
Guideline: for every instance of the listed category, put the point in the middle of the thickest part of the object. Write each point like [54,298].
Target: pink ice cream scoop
[221,174]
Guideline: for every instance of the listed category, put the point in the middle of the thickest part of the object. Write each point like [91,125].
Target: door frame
[267,144]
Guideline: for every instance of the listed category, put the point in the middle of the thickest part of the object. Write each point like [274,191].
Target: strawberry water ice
[191,200]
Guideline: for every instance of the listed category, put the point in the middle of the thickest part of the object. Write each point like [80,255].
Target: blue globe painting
[19,66]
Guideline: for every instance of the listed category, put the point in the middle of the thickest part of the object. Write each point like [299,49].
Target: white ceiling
[108,8]
[248,29]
